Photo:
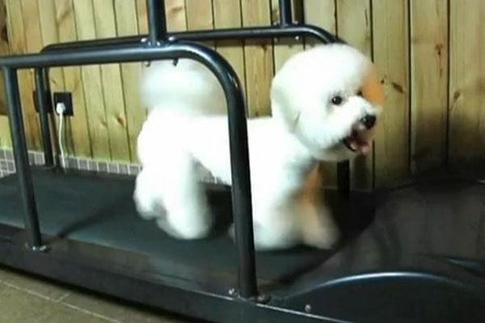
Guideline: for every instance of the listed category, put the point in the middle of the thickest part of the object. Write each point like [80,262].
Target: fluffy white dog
[325,102]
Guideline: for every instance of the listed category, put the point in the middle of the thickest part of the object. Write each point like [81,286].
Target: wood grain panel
[93,84]
[176,15]
[467,84]
[355,27]
[258,58]
[66,28]
[391,54]
[127,22]
[18,45]
[5,140]
[429,72]
[114,102]
[227,14]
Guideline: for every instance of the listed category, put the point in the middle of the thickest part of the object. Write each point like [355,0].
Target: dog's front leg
[317,226]
[274,222]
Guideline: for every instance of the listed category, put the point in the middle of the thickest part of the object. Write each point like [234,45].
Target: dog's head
[330,98]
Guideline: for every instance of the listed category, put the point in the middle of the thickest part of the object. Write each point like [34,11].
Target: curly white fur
[187,124]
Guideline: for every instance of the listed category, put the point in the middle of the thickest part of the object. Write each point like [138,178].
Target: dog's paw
[147,208]
[318,228]
[163,224]
[186,225]
[268,240]
[322,238]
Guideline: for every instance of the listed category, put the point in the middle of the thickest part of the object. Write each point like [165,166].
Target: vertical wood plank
[16,35]
[391,35]
[127,22]
[176,17]
[200,16]
[33,44]
[50,35]
[322,13]
[354,26]
[227,14]
[66,27]
[5,141]
[283,48]
[258,58]
[114,102]
[429,81]
[141,10]
[467,82]
[92,83]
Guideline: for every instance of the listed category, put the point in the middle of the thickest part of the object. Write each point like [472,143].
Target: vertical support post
[241,199]
[343,178]
[43,101]
[240,170]
[157,25]
[241,186]
[24,174]
[285,13]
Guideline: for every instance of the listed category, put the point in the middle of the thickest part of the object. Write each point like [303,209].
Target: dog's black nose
[369,121]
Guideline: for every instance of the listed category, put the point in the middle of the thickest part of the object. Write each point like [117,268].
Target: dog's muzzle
[360,139]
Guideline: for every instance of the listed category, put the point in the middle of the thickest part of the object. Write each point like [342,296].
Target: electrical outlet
[66,98]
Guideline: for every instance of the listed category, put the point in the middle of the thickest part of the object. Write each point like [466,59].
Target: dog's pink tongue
[361,144]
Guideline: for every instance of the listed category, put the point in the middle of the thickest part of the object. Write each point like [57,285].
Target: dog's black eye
[359,93]
[337,100]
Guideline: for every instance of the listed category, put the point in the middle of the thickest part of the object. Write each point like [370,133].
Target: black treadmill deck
[423,253]
[99,209]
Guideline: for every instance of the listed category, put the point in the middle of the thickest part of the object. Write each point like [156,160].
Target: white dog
[325,102]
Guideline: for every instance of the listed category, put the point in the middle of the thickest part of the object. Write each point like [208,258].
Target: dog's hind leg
[173,186]
[185,201]
[147,198]
[274,226]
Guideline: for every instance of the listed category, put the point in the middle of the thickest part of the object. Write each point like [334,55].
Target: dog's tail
[184,86]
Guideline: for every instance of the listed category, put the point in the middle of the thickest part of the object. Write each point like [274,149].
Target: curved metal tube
[208,35]
[241,188]
[241,192]
[42,74]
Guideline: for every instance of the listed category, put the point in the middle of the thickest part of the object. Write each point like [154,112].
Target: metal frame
[285,28]
[157,45]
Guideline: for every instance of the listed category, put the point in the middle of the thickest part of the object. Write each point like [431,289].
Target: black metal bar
[66,263]
[157,26]
[43,101]
[207,35]
[31,219]
[241,186]
[343,171]
[343,178]
[285,13]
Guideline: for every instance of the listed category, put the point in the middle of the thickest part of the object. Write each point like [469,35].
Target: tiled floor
[25,299]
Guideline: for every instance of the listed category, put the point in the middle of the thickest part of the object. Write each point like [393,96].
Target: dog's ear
[372,88]
[283,105]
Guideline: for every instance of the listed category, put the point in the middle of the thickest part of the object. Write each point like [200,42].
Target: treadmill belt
[100,210]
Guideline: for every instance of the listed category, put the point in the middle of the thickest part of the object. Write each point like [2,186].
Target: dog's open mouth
[359,141]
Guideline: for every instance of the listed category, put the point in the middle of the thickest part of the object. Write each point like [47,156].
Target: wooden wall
[429,52]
